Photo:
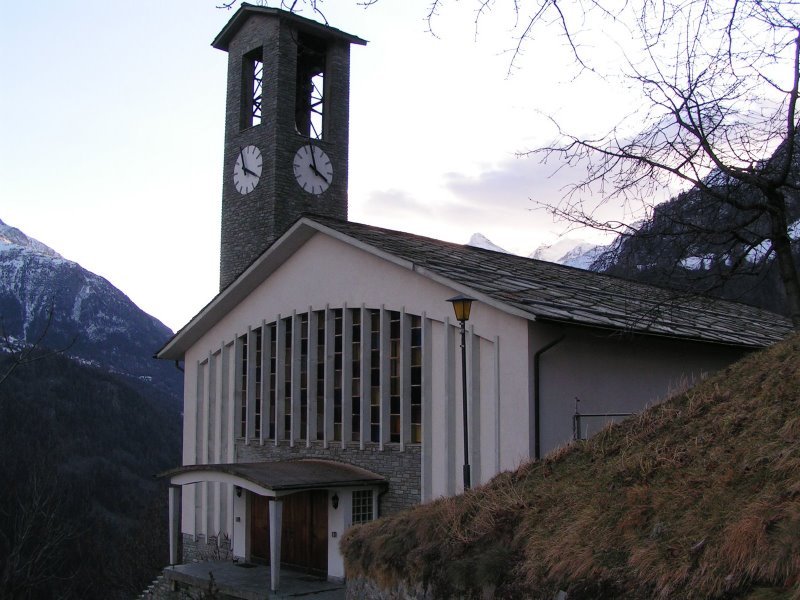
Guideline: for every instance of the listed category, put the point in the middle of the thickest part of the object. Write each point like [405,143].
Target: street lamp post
[462,305]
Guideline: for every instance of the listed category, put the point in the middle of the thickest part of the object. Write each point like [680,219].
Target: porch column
[174,522]
[275,520]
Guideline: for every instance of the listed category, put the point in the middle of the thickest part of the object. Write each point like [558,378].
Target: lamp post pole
[462,305]
[467,470]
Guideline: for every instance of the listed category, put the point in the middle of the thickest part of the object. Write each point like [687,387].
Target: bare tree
[314,6]
[34,537]
[719,81]
[21,352]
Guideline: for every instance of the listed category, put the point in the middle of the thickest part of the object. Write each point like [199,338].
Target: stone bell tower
[286,128]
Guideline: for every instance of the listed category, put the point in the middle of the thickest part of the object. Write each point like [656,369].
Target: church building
[326,384]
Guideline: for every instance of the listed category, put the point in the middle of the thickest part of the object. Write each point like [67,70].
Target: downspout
[537,448]
[381,494]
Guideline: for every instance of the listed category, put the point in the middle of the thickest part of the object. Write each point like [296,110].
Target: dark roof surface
[289,475]
[553,292]
[245,10]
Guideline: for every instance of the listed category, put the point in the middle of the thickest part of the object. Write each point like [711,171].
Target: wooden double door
[304,531]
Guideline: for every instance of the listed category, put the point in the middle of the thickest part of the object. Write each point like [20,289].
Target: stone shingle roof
[551,292]
[304,474]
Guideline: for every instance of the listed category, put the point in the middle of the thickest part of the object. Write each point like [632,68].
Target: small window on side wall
[362,507]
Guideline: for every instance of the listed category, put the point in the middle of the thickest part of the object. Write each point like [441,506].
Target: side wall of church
[599,372]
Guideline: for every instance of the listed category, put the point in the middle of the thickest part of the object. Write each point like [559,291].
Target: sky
[112,122]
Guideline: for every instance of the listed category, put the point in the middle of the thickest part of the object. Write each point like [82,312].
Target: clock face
[313,169]
[247,169]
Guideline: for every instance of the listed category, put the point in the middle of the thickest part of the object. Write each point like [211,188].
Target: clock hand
[244,165]
[313,166]
[320,175]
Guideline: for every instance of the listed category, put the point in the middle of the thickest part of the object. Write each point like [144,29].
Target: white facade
[314,273]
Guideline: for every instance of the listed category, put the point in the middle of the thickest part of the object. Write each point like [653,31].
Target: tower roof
[246,10]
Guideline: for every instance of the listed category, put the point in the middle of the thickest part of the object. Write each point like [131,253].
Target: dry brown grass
[698,497]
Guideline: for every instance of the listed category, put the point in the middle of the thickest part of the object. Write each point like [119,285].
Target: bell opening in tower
[310,91]
[252,88]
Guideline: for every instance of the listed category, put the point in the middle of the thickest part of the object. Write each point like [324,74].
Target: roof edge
[223,38]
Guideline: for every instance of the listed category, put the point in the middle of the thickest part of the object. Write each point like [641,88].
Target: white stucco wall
[328,273]
[611,372]
[608,372]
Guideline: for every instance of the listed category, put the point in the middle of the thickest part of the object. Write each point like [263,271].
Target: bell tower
[286,128]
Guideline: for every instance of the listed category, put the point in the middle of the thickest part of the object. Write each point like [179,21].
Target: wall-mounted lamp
[335,501]
[461,306]
[238,491]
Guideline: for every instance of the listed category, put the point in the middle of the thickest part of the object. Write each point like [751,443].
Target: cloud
[509,194]
[395,202]
[513,183]
[502,201]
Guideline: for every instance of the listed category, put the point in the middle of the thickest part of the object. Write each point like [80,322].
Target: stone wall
[196,549]
[358,589]
[400,467]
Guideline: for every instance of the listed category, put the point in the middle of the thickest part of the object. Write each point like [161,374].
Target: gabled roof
[534,289]
[553,292]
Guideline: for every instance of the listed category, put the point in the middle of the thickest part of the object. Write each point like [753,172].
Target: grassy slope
[697,497]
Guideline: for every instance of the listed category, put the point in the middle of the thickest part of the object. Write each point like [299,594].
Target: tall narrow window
[273,370]
[257,383]
[337,374]
[394,376]
[320,374]
[356,376]
[252,88]
[309,97]
[287,381]
[243,388]
[416,379]
[383,362]
[375,376]
[303,375]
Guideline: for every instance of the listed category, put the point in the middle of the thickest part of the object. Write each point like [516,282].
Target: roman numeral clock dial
[247,169]
[313,169]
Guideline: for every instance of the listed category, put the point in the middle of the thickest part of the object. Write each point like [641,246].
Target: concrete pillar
[275,520]
[174,522]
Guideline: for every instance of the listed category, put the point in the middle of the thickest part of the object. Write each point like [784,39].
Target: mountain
[478,240]
[48,298]
[697,497]
[87,418]
[702,245]
[570,252]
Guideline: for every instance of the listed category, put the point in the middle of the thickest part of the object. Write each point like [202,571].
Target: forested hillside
[87,419]
[81,514]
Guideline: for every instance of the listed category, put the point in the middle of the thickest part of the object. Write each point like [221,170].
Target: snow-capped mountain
[478,240]
[11,237]
[570,252]
[48,299]
[583,256]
